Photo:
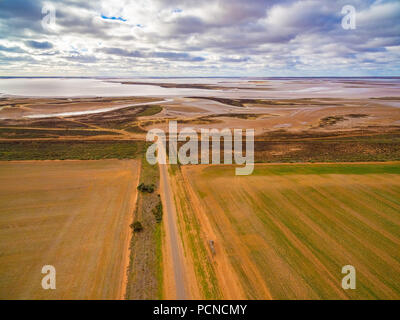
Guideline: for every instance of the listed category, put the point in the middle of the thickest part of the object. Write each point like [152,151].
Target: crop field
[74,215]
[288,229]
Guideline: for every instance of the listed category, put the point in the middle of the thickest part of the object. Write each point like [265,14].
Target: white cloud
[216,37]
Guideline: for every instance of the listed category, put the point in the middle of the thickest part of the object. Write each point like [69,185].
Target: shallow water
[57,87]
[273,88]
[84,112]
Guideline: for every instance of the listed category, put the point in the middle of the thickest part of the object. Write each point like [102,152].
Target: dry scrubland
[286,231]
[74,215]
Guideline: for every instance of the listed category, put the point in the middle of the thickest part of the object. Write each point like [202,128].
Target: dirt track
[172,234]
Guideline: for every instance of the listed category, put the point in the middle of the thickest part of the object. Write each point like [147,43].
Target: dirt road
[172,233]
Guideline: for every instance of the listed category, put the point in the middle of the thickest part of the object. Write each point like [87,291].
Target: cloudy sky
[198,38]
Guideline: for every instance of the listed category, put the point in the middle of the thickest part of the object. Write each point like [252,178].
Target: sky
[260,38]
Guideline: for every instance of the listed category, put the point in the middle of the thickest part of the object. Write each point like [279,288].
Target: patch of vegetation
[199,120]
[43,123]
[212,118]
[332,150]
[136,226]
[21,133]
[321,146]
[366,133]
[154,121]
[63,150]
[175,85]
[356,115]
[245,116]
[146,188]
[387,98]
[135,129]
[276,102]
[158,211]
[116,119]
[150,111]
[330,120]
[145,268]
[232,102]
[348,168]
[159,234]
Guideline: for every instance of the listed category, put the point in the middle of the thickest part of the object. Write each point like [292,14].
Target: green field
[288,229]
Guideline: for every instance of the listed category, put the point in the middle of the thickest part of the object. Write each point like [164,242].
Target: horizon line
[196,77]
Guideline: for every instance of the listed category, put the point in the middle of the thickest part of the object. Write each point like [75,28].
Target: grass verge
[145,267]
[194,242]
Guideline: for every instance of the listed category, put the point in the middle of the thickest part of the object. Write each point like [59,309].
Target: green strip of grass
[329,168]
[150,111]
[159,236]
[145,273]
[63,150]
[195,244]
[16,133]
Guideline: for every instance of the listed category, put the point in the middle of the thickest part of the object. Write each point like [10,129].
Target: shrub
[146,187]
[137,226]
[158,212]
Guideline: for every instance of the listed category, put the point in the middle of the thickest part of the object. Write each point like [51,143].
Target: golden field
[74,215]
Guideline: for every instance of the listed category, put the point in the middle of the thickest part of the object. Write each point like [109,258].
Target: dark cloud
[81,58]
[122,52]
[173,56]
[38,45]
[177,56]
[188,25]
[12,49]
[235,60]
[26,9]
[7,59]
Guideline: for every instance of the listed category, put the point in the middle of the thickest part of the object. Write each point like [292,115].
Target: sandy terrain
[219,109]
[36,108]
[74,215]
[295,115]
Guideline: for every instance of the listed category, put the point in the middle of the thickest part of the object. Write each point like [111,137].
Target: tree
[146,187]
[137,226]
